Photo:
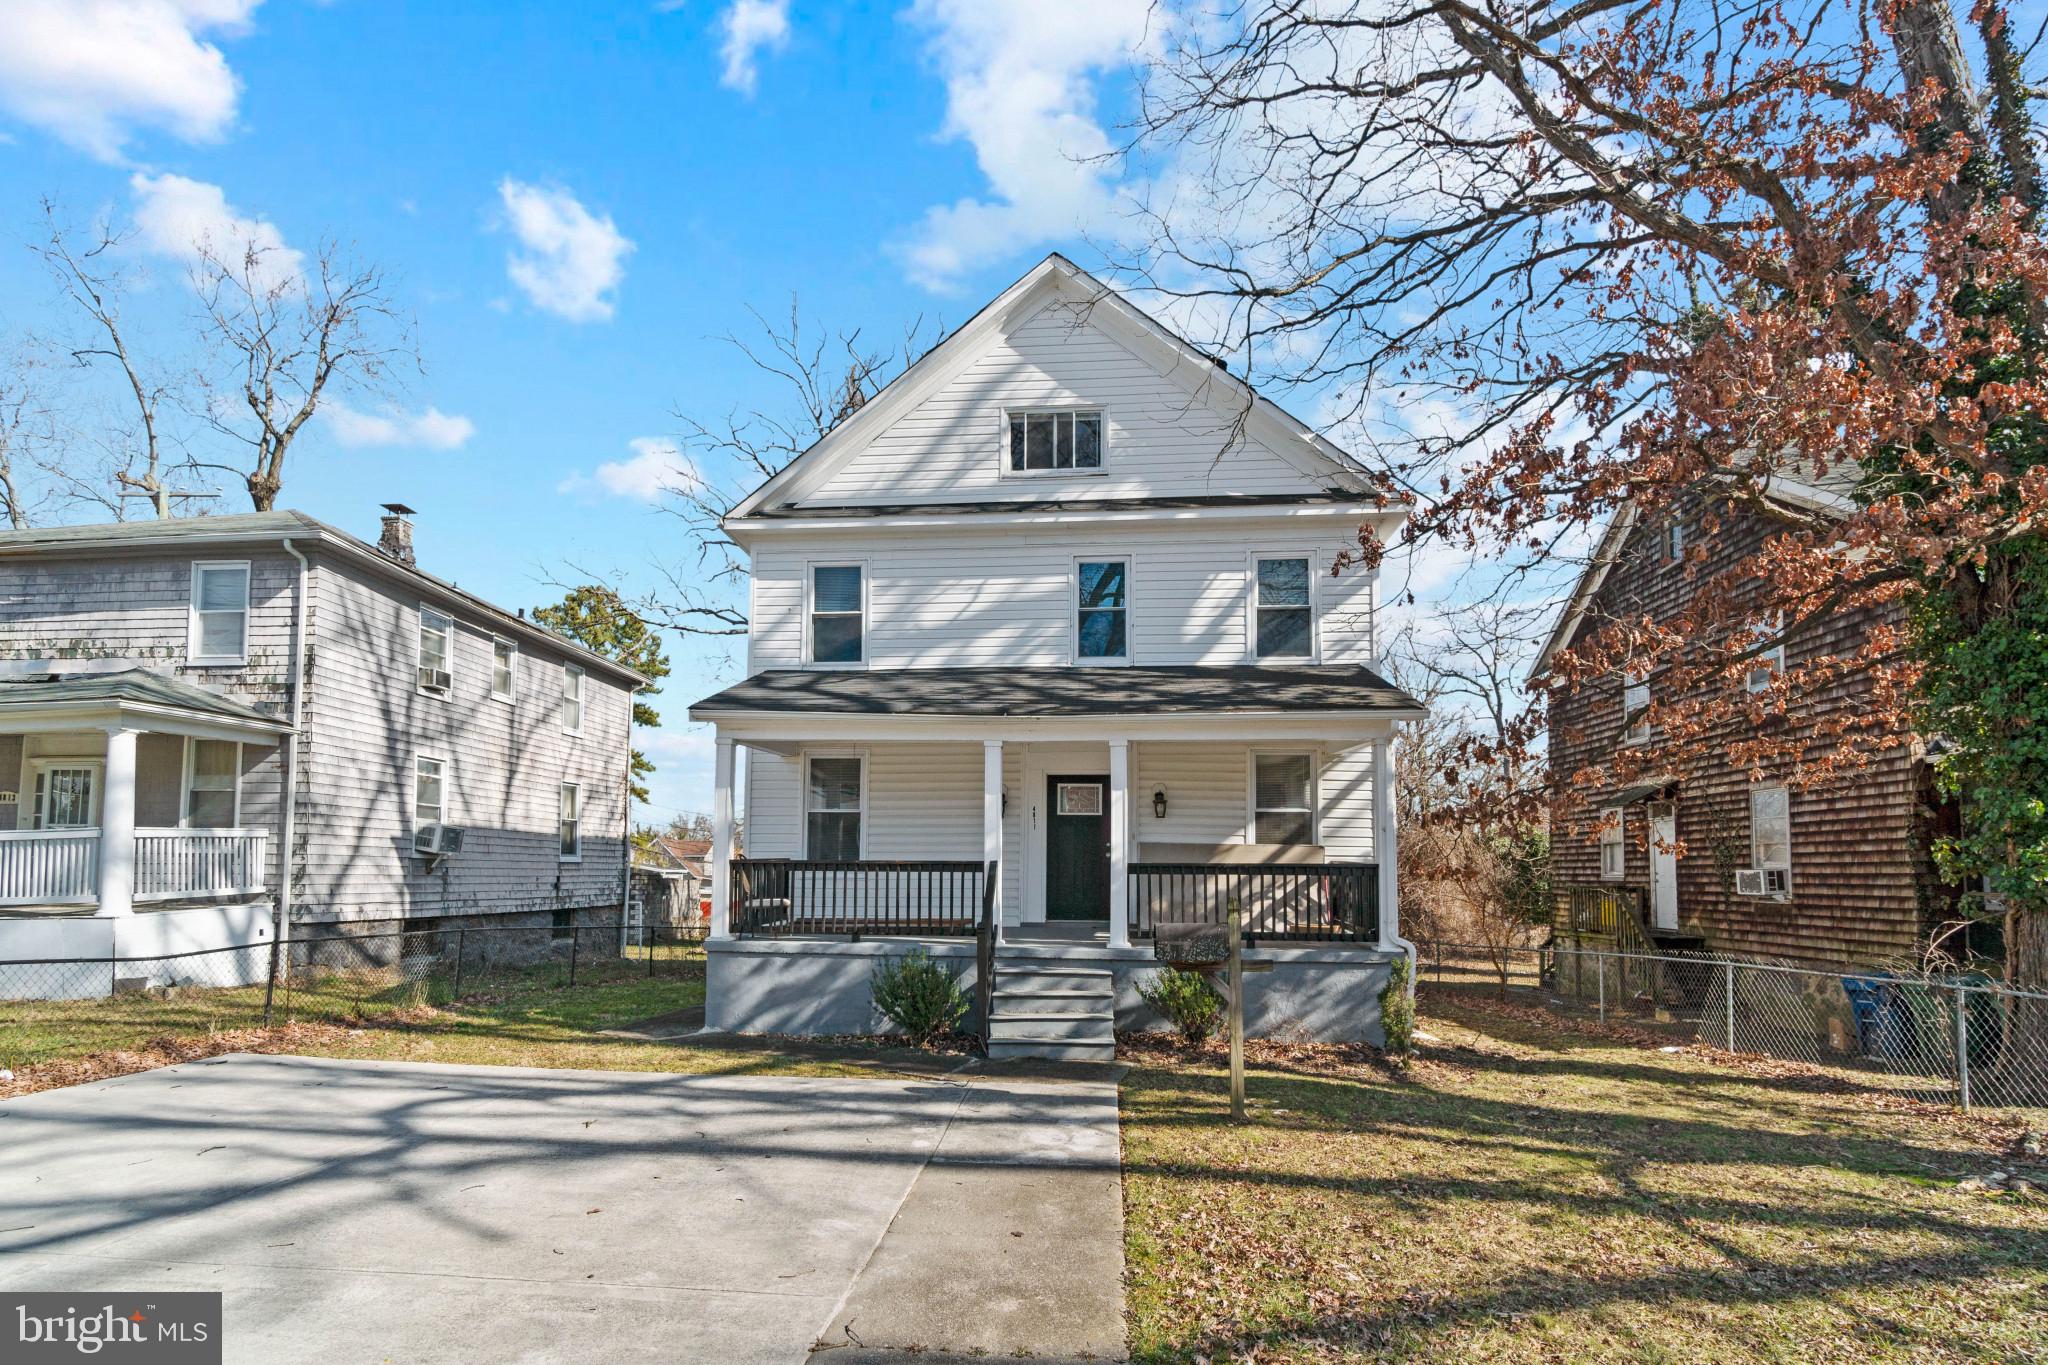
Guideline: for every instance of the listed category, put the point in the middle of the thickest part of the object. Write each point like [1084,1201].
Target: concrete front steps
[1052,1011]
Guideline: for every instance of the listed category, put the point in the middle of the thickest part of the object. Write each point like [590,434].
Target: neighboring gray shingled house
[164,683]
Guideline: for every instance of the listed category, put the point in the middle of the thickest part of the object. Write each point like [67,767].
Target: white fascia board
[769,729]
[1387,520]
[57,717]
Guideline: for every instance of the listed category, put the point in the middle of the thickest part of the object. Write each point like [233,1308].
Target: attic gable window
[1048,442]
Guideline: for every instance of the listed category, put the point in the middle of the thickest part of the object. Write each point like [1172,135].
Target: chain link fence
[1959,1039]
[66,1008]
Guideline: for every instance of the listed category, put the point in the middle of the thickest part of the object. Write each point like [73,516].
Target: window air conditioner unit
[1749,882]
[436,679]
[437,841]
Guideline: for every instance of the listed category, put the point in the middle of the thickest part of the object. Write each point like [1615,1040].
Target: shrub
[1397,1008]
[1187,999]
[919,996]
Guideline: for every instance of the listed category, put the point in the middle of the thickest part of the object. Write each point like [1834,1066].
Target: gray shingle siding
[363,722]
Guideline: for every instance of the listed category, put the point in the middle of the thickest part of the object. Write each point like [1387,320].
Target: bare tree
[286,336]
[139,458]
[824,377]
[27,438]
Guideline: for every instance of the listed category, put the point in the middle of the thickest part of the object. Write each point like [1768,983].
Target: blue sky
[576,201]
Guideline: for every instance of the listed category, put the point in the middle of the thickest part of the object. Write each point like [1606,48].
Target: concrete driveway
[389,1211]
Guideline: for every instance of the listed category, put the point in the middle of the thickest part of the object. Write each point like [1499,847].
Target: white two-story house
[1053,628]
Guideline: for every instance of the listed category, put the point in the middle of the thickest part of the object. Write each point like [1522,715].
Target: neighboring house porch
[128,791]
[1105,802]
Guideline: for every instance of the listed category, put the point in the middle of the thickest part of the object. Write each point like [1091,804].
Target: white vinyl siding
[1162,435]
[218,631]
[1007,598]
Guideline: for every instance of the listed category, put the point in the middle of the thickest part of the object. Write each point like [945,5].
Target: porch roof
[996,693]
[135,697]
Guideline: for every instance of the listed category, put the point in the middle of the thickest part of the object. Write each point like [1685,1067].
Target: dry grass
[1522,1193]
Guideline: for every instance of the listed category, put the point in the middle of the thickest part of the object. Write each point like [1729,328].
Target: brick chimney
[396,539]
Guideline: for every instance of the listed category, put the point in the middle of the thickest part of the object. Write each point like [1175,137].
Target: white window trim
[1251,790]
[193,658]
[419,660]
[1009,410]
[1771,662]
[1636,732]
[803,796]
[867,616]
[577,856]
[185,785]
[412,797]
[569,671]
[1251,609]
[1614,834]
[1130,610]
[39,766]
[511,694]
[1756,861]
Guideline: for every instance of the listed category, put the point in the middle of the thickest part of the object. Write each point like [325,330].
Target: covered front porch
[129,790]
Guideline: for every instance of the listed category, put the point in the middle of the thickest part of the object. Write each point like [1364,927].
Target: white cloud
[91,72]
[179,218]
[658,465]
[749,28]
[569,260]
[432,429]
[1020,88]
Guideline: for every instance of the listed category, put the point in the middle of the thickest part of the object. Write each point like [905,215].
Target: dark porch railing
[1613,910]
[773,897]
[1299,902]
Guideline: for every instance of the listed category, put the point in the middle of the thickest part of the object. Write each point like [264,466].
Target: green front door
[1077,848]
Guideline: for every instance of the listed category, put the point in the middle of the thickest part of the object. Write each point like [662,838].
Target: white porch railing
[199,862]
[49,866]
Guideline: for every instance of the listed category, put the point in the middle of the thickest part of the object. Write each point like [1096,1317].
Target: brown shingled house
[1835,877]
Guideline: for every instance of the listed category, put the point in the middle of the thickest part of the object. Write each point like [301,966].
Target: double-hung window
[1284,627]
[1771,662]
[832,809]
[1283,799]
[213,770]
[219,632]
[504,662]
[1048,442]
[1674,541]
[1102,609]
[437,652]
[838,634]
[1613,852]
[1635,708]
[1770,837]
[571,823]
[572,699]
[429,796]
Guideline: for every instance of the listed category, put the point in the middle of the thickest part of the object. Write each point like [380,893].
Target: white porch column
[992,817]
[721,840]
[1119,843]
[1386,843]
[117,826]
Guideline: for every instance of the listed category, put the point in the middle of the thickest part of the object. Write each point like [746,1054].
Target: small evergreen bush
[919,996]
[1187,999]
[1397,1008]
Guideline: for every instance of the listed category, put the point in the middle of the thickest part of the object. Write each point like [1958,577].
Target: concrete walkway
[395,1211]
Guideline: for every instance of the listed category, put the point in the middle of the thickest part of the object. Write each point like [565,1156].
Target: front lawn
[1525,1194]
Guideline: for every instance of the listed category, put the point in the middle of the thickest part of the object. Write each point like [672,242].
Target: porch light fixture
[1159,803]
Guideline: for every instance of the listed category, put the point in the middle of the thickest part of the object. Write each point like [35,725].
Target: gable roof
[258,528]
[1827,496]
[1320,461]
